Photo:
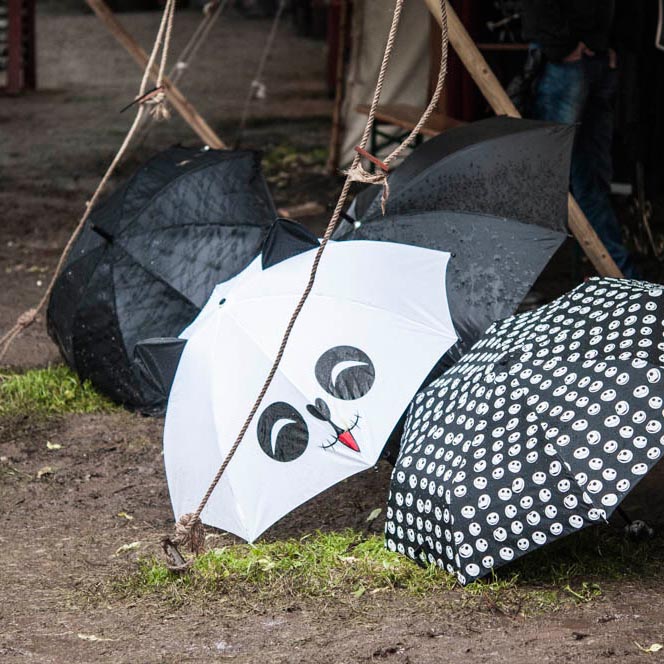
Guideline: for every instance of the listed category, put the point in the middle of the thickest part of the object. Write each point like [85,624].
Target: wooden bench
[404,117]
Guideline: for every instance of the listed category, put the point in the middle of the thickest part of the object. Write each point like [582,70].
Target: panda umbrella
[542,429]
[368,335]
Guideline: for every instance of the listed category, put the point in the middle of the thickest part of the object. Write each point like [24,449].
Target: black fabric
[148,258]
[285,239]
[541,429]
[157,361]
[503,167]
[494,261]
[559,25]
[494,195]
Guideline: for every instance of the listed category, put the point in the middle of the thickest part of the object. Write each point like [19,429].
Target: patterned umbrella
[542,429]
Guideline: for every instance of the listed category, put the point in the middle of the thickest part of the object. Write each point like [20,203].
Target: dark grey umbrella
[148,258]
[543,428]
[494,194]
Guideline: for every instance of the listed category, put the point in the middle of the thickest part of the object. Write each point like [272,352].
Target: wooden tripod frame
[179,102]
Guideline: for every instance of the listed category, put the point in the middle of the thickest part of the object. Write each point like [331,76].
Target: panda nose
[349,441]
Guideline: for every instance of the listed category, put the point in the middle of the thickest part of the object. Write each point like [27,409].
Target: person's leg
[592,164]
[560,94]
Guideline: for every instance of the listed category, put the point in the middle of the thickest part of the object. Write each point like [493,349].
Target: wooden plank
[179,102]
[15,47]
[406,117]
[339,87]
[30,33]
[492,46]
[501,104]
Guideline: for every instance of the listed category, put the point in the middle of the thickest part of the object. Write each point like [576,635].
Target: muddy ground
[59,532]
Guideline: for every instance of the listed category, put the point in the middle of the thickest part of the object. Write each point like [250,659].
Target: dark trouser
[583,93]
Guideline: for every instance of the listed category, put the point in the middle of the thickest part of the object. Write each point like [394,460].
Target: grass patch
[321,564]
[51,391]
[351,564]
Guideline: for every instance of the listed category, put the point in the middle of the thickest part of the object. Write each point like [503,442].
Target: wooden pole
[335,138]
[15,46]
[179,102]
[495,94]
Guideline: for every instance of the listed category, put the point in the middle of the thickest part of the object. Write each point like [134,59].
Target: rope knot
[357,173]
[26,319]
[258,89]
[209,7]
[158,108]
[189,533]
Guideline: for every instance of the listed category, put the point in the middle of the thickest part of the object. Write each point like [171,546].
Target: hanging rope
[162,42]
[189,528]
[211,13]
[257,87]
[357,173]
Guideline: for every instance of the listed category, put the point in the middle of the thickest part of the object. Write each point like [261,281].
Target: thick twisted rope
[357,172]
[163,37]
[159,108]
[192,521]
[211,13]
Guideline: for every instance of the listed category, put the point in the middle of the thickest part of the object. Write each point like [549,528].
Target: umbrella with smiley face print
[543,428]
[375,323]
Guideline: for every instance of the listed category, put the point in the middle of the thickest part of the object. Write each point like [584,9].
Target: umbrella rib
[360,303]
[157,277]
[241,517]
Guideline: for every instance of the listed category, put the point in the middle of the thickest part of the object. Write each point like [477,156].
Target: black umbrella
[148,258]
[541,429]
[494,194]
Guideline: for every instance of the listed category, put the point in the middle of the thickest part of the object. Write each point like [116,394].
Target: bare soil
[59,532]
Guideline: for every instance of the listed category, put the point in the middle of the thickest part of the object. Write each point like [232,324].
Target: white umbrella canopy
[373,326]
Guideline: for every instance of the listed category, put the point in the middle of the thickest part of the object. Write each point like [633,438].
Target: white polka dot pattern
[541,429]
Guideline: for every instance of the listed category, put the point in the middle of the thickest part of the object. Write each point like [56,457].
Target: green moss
[51,391]
[321,564]
[352,564]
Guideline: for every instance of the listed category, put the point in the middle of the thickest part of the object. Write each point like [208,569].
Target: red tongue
[347,439]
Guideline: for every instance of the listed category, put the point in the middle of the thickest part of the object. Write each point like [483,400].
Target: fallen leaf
[92,637]
[46,470]
[359,592]
[132,546]
[53,446]
[347,559]
[655,647]
[124,515]
[374,515]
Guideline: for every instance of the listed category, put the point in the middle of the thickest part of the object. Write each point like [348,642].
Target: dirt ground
[59,533]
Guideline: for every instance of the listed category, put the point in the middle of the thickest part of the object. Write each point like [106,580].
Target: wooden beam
[15,46]
[495,94]
[339,88]
[179,102]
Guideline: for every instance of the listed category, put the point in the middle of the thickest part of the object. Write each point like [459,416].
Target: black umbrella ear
[157,361]
[285,239]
